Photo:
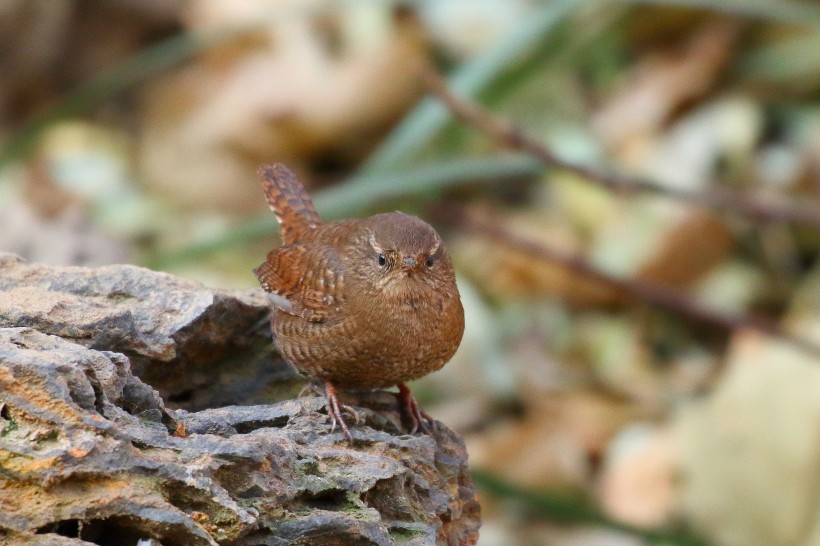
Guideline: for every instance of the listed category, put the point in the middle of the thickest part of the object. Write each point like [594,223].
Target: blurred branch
[719,199]
[359,193]
[658,295]
[571,510]
[782,11]
[425,121]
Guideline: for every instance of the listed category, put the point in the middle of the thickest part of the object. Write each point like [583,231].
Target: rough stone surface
[90,454]
[198,347]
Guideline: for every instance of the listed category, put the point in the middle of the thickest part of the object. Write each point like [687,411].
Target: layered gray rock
[125,416]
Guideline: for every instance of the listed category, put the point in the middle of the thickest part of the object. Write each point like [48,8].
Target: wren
[358,304]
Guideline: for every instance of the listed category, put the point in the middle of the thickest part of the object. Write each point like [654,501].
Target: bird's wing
[303,280]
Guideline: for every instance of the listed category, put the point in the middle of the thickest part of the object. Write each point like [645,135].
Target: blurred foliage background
[630,191]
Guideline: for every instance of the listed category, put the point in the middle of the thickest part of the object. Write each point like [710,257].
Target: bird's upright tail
[289,201]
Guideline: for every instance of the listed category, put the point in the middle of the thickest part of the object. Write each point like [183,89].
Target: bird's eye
[382,260]
[429,261]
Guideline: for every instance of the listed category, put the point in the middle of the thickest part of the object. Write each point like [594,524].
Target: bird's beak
[408,264]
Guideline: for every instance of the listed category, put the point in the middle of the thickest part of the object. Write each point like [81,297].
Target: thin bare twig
[717,198]
[655,294]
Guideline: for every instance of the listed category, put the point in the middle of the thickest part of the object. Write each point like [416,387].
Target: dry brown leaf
[690,248]
[662,83]
[750,453]
[555,443]
[661,241]
[638,484]
[291,94]
[509,273]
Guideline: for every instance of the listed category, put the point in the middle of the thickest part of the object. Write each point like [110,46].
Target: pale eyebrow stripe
[437,245]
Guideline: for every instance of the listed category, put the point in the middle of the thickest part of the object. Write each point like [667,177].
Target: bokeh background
[642,357]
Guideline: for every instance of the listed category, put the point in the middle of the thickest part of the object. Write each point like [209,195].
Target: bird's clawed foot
[335,409]
[409,406]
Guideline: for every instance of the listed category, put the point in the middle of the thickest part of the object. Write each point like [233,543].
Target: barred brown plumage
[360,303]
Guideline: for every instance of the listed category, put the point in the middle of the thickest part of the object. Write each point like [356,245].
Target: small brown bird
[358,304]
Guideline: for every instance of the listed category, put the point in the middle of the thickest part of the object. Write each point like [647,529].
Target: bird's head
[403,250]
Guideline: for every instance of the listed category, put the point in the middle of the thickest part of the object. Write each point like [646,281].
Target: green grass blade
[360,193]
[568,509]
[430,116]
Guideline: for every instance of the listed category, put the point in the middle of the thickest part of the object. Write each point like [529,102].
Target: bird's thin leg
[335,409]
[319,390]
[311,387]
[409,406]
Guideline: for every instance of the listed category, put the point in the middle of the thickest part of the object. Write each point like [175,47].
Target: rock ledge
[90,454]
